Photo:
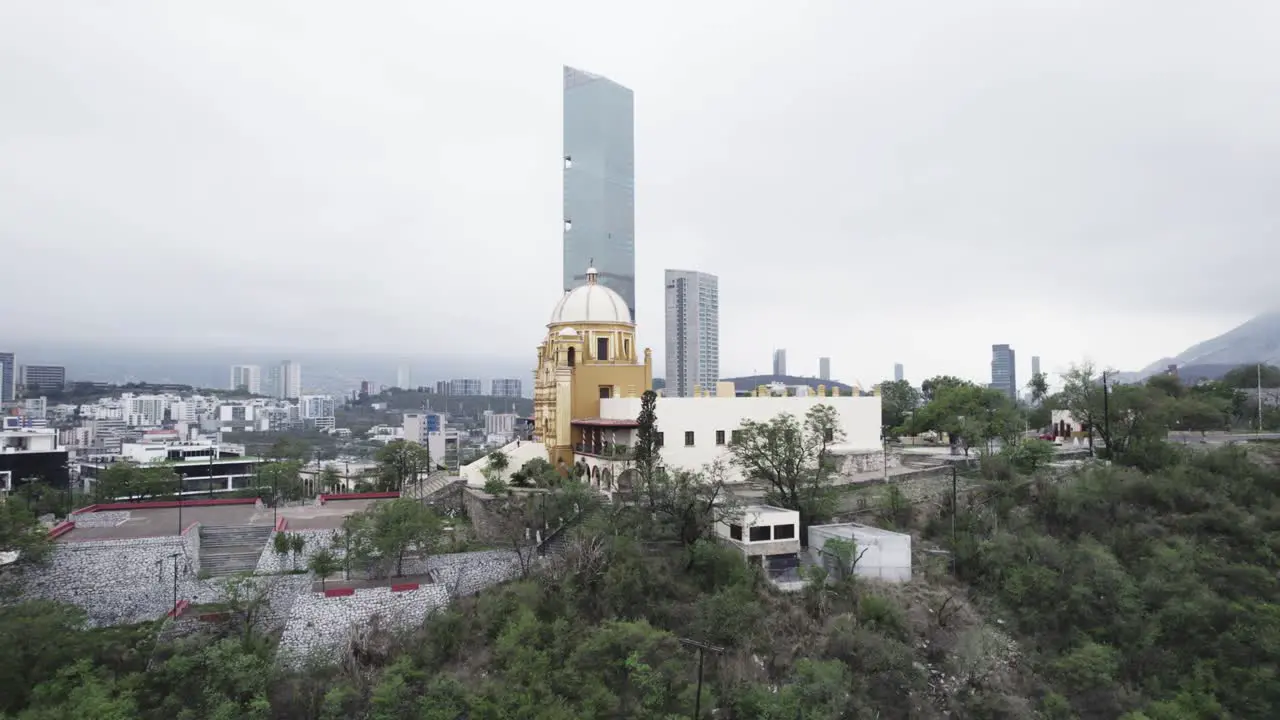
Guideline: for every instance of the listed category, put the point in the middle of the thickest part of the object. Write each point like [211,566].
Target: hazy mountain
[1257,340]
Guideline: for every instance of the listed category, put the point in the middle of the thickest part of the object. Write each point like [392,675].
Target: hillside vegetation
[1099,592]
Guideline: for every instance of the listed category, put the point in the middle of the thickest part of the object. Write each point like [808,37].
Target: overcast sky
[876,182]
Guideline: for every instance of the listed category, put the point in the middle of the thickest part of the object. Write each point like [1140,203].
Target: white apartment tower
[288,380]
[693,332]
[248,377]
[824,368]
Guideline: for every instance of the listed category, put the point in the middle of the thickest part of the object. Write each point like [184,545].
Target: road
[1219,438]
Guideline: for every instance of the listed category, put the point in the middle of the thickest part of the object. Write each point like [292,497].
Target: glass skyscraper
[1004,375]
[599,184]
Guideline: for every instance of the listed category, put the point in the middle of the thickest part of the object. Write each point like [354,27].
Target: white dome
[592,302]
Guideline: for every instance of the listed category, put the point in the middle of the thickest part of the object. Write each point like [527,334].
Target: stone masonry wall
[117,581]
[319,626]
[316,540]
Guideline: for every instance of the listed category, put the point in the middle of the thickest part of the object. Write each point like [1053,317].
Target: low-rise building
[876,553]
[205,466]
[32,454]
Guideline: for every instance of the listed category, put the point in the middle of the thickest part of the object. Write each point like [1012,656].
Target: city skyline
[350,129]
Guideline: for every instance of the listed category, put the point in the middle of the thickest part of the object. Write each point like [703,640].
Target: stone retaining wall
[316,540]
[319,626]
[117,581]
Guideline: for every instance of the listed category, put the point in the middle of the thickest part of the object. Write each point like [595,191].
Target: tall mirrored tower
[599,184]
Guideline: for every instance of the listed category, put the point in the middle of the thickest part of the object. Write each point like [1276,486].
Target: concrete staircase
[232,549]
[427,488]
[555,541]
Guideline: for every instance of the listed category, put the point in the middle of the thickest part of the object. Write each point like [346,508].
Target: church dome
[592,303]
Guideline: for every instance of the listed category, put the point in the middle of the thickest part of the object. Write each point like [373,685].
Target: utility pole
[702,649]
[955,509]
[1259,398]
[179,476]
[1106,413]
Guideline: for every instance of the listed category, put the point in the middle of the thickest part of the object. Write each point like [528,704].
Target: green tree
[898,399]
[1039,387]
[1245,377]
[21,532]
[401,461]
[330,479]
[536,472]
[290,448]
[284,479]
[297,544]
[929,388]
[647,452]
[969,415]
[323,564]
[793,459]
[382,535]
[687,505]
[498,461]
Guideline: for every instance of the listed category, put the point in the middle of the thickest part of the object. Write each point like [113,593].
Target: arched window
[572,356]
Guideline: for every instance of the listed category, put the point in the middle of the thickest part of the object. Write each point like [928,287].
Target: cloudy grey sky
[876,182]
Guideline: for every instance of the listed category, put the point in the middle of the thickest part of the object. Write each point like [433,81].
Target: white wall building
[316,406]
[428,429]
[763,530]
[695,432]
[506,387]
[289,383]
[145,410]
[499,423]
[404,378]
[465,387]
[882,554]
[248,377]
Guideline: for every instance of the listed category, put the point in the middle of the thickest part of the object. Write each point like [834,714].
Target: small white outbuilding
[882,554]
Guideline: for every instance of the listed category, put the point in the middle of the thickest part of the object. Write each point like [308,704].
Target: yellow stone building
[589,353]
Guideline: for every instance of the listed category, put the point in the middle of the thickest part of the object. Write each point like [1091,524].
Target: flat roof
[765,508]
[605,422]
[849,529]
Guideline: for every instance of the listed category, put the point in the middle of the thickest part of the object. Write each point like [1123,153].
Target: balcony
[605,450]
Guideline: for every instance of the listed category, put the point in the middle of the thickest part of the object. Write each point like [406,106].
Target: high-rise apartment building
[288,380]
[465,386]
[1004,371]
[506,387]
[780,362]
[898,372]
[246,377]
[404,378]
[1035,365]
[42,378]
[824,368]
[8,379]
[599,184]
[692,332]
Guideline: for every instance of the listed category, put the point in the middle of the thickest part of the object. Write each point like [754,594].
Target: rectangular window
[829,435]
[602,348]
[719,437]
[761,533]
[659,440]
[735,532]
[735,436]
[605,392]
[784,532]
[626,348]
[688,438]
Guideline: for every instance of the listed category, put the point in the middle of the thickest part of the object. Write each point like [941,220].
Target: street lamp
[175,557]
